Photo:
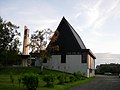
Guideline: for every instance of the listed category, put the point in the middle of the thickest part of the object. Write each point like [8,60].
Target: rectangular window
[45,60]
[63,58]
[84,57]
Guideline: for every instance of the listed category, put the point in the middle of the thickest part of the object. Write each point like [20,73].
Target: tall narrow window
[84,57]
[63,58]
[25,35]
[45,60]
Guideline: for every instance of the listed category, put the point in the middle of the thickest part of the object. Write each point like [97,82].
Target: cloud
[95,20]
[96,14]
[107,58]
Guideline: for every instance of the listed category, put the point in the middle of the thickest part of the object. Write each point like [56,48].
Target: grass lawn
[5,83]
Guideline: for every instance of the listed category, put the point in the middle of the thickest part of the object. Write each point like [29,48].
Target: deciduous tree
[38,44]
[9,41]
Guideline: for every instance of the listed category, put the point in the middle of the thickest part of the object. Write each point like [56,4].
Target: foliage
[9,57]
[9,41]
[39,40]
[12,79]
[19,80]
[38,44]
[79,76]
[72,78]
[112,68]
[45,55]
[66,78]
[18,72]
[52,47]
[63,78]
[49,79]
[30,80]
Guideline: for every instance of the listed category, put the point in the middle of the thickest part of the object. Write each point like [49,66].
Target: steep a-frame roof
[68,39]
[78,38]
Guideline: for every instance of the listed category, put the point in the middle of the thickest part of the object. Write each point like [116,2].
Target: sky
[107,58]
[96,21]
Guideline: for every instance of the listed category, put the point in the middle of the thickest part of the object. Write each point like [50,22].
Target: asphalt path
[101,82]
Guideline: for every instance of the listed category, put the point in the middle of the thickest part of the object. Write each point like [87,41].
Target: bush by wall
[30,80]
[79,76]
[61,79]
[49,79]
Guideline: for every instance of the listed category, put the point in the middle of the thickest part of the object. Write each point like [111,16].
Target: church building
[72,55]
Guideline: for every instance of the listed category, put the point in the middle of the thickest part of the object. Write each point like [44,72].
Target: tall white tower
[25,61]
[26,41]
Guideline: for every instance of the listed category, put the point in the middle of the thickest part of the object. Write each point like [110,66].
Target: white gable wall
[73,64]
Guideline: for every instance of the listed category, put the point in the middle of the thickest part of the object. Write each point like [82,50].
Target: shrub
[61,79]
[67,78]
[79,76]
[49,79]
[72,78]
[30,80]
[12,79]
[19,80]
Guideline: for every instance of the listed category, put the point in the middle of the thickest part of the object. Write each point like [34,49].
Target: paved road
[101,82]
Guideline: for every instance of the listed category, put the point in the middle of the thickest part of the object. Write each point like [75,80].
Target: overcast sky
[96,21]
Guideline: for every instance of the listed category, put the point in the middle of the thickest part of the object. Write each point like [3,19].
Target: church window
[25,33]
[63,58]
[45,60]
[84,57]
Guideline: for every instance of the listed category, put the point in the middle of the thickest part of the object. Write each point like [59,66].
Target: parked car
[107,73]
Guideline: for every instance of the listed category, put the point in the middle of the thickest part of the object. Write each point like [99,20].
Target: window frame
[44,60]
[84,57]
[63,58]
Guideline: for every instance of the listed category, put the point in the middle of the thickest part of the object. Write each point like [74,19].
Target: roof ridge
[78,38]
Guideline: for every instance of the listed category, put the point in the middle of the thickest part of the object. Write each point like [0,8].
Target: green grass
[5,83]
[66,86]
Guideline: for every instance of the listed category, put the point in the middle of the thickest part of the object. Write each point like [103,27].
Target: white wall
[38,62]
[73,64]
[54,62]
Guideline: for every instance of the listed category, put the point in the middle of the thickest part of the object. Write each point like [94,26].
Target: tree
[52,47]
[112,68]
[38,44]
[9,41]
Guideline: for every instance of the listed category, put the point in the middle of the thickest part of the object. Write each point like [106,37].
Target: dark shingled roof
[78,38]
[68,39]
